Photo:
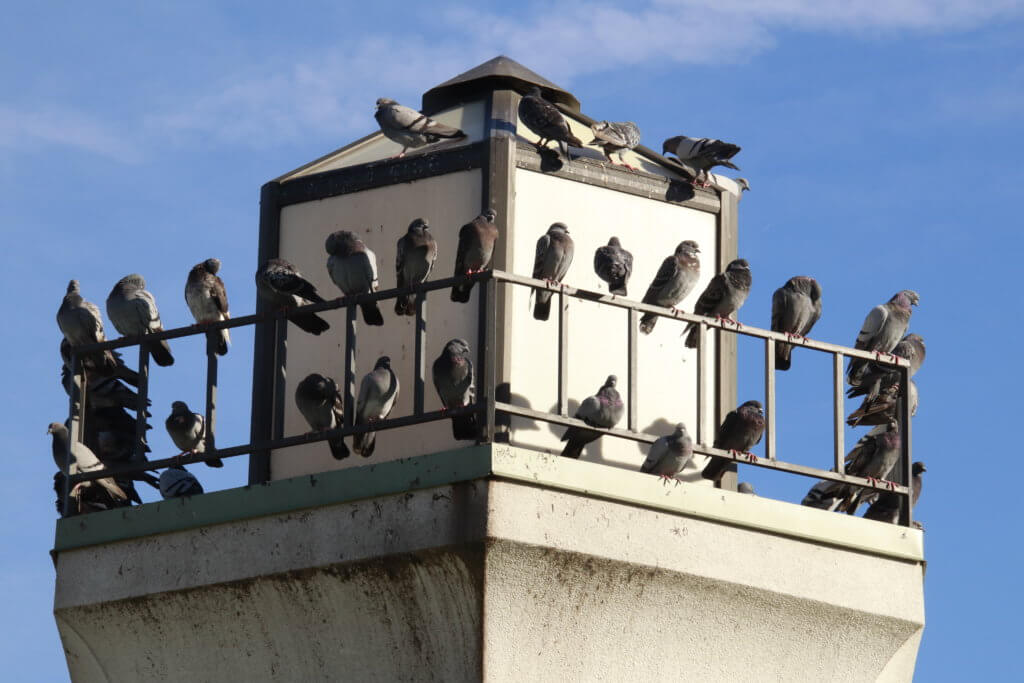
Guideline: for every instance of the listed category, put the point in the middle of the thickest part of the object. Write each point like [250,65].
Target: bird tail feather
[310,322]
[372,314]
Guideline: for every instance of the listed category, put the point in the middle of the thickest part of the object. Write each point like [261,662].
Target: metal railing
[486,405]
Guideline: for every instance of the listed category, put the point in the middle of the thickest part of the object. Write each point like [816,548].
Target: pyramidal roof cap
[498,73]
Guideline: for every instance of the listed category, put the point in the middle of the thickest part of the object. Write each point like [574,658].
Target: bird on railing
[883,328]
[207,300]
[911,347]
[187,431]
[873,457]
[604,409]
[82,460]
[415,254]
[674,280]
[85,497]
[318,398]
[282,286]
[410,128]
[615,137]
[100,365]
[886,507]
[796,307]
[378,393]
[882,402]
[80,323]
[551,262]
[723,297]
[177,482]
[740,431]
[353,268]
[133,312]
[475,251]
[697,156]
[544,119]
[669,454]
[456,386]
[614,265]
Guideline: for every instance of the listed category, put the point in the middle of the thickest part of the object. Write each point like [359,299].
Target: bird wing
[667,271]
[873,324]
[711,296]
[654,456]
[543,244]
[218,294]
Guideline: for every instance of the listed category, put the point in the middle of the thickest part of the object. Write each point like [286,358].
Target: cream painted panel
[667,371]
[468,117]
[380,216]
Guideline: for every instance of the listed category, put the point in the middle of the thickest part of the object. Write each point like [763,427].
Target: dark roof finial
[498,73]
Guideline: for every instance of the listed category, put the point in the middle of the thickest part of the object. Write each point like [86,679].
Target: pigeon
[824,495]
[319,400]
[80,323]
[544,119]
[456,386]
[409,128]
[208,301]
[415,254]
[177,482]
[872,458]
[133,311]
[886,507]
[82,460]
[111,434]
[187,431]
[282,286]
[604,410]
[104,365]
[551,262]
[475,251]
[699,155]
[740,431]
[615,137]
[882,403]
[88,496]
[353,267]
[614,265]
[747,488]
[378,394]
[876,375]
[675,279]
[722,297]
[796,306]
[669,454]
[104,392]
[882,330]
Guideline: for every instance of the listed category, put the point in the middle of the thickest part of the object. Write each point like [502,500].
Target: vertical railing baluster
[838,422]
[632,327]
[350,365]
[906,514]
[563,350]
[705,431]
[488,320]
[769,397]
[280,377]
[210,422]
[74,430]
[140,408]
[421,349]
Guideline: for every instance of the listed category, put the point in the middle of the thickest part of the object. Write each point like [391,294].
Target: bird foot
[733,321]
[891,485]
[398,156]
[676,311]
[751,458]
[181,455]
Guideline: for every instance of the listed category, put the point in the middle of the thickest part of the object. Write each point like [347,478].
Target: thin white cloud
[27,129]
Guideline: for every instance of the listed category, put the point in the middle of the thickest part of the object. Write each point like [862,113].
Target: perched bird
[675,279]
[104,392]
[80,323]
[551,262]
[282,286]
[187,431]
[110,433]
[133,311]
[208,300]
[824,495]
[475,251]
[883,328]
[456,386]
[615,137]
[876,375]
[699,155]
[614,265]
[872,458]
[796,306]
[415,254]
[109,364]
[882,402]
[746,487]
[723,296]
[604,410]
[544,119]
[353,267]
[86,497]
[669,454]
[177,482]
[378,394]
[82,460]
[886,507]
[318,398]
[409,128]
[740,431]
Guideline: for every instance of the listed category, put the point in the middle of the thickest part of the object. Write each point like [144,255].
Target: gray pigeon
[614,265]
[456,386]
[883,328]
[675,279]
[740,431]
[187,431]
[747,488]
[615,137]
[409,128]
[604,410]
[881,403]
[378,394]
[544,119]
[796,306]
[886,507]
[80,323]
[177,482]
[723,296]
[86,497]
[82,460]
[669,454]
[283,287]
[699,155]
[101,365]
[133,311]
[824,495]
[353,267]
[551,262]
[872,458]
[876,375]
[475,251]
[415,254]
[318,398]
[208,300]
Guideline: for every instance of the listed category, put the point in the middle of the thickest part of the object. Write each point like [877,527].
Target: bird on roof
[614,137]
[544,119]
[698,156]
[409,127]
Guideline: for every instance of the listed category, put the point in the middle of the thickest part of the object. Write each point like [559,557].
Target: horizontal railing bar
[647,438]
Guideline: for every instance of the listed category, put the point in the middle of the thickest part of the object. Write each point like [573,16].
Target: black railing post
[280,379]
[74,429]
[350,365]
[421,350]
[487,360]
[907,468]
[838,419]
[140,408]
[632,328]
[705,430]
[563,355]
[769,398]
[210,421]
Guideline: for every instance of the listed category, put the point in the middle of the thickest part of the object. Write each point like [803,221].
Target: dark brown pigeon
[882,401]
[796,306]
[614,265]
[456,386]
[722,297]
[883,328]
[551,262]
[353,268]
[887,507]
[544,119]
[604,410]
[415,254]
[674,280]
[319,400]
[208,300]
[475,251]
[872,457]
[740,431]
[282,286]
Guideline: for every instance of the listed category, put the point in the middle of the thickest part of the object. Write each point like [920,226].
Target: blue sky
[882,141]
